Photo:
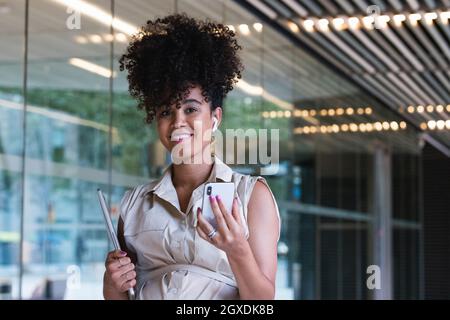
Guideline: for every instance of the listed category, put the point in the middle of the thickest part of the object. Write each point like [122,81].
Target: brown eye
[190,110]
[164,114]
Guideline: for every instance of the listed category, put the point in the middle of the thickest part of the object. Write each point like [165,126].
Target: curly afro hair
[170,55]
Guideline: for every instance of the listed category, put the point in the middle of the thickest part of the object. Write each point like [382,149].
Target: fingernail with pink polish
[218,198]
[123,253]
[212,199]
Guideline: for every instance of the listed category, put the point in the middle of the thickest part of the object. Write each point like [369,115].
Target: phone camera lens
[208,191]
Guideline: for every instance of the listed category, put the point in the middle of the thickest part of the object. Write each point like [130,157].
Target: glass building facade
[348,186]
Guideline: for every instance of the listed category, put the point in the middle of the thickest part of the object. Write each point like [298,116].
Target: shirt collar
[220,171]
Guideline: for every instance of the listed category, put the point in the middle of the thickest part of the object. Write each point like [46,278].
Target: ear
[217,118]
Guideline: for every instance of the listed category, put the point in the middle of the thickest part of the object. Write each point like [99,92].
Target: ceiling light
[420,109]
[394,125]
[81,39]
[95,38]
[108,37]
[293,26]
[368,22]
[381,21]
[258,26]
[335,128]
[398,19]
[378,126]
[430,16]
[339,24]
[444,16]
[99,15]
[91,67]
[248,88]
[413,18]
[362,127]
[323,25]
[431,124]
[308,24]
[440,124]
[120,37]
[244,29]
[353,23]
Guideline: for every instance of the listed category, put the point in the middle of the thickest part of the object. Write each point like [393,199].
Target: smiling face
[176,127]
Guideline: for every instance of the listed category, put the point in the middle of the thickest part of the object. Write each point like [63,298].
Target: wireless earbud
[215,121]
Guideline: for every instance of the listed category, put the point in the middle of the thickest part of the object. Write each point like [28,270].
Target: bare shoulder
[261,205]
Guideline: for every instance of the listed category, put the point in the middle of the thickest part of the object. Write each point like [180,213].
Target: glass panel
[67,152]
[12,24]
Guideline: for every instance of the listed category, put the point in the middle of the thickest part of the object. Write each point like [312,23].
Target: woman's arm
[253,261]
[255,266]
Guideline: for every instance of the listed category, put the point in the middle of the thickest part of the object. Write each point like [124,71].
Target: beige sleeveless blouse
[173,261]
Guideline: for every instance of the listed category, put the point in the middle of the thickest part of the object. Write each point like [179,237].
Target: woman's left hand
[230,235]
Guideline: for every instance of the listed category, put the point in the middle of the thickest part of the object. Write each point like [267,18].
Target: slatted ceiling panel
[407,73]
[202,8]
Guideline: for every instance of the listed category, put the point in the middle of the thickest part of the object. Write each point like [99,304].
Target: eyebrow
[191,100]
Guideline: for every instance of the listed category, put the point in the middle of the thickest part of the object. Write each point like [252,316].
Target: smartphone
[226,192]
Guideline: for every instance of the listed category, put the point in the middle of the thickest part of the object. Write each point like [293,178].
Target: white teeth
[179,137]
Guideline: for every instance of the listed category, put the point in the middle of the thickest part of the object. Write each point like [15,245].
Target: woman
[180,70]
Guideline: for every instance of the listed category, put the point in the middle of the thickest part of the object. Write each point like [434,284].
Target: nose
[179,119]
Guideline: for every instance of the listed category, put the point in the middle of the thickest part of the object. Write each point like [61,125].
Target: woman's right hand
[119,275]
